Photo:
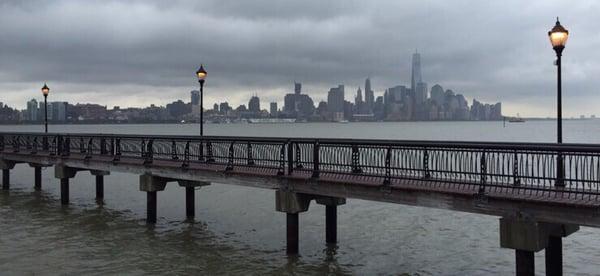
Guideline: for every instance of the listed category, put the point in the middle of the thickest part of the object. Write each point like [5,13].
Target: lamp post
[45,92]
[554,259]
[201,73]
[558,38]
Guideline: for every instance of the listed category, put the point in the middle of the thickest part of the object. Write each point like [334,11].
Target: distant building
[335,102]
[415,77]
[254,104]
[273,109]
[297,88]
[437,94]
[32,110]
[369,96]
[195,97]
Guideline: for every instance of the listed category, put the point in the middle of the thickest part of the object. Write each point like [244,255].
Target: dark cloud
[138,52]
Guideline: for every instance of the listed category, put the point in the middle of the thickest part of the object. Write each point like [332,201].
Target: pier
[541,192]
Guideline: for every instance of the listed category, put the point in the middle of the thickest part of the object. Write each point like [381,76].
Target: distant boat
[517,119]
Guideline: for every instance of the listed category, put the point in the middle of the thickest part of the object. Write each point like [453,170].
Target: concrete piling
[525,263]
[38,178]
[292,229]
[151,199]
[190,210]
[5,179]
[99,187]
[331,224]
[64,191]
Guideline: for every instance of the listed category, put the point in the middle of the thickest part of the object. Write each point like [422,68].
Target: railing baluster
[388,166]
[66,145]
[298,157]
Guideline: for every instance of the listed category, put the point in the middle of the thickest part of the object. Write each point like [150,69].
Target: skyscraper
[358,100]
[369,96]
[195,97]
[273,109]
[254,104]
[416,71]
[335,102]
[32,110]
[297,88]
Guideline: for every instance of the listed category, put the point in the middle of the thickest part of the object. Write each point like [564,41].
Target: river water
[237,230]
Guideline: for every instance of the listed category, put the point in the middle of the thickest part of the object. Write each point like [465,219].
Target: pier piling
[5,179]
[525,262]
[292,233]
[190,210]
[554,258]
[99,187]
[38,178]
[64,191]
[331,223]
[151,199]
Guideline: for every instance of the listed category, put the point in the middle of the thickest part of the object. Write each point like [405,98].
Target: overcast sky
[134,53]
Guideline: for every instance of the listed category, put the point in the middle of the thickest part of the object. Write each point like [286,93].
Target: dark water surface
[238,231]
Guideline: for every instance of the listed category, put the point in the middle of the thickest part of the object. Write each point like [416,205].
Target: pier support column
[331,204]
[554,255]
[190,196]
[292,204]
[100,184]
[151,184]
[527,237]
[64,173]
[38,178]
[525,262]
[5,179]
[6,166]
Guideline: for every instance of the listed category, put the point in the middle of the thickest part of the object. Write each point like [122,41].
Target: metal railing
[484,167]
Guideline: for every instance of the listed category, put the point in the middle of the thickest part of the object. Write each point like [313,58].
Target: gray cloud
[141,52]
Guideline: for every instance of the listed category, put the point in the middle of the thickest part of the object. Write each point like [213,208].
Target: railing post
[1,142]
[560,171]
[90,148]
[250,160]
[298,157]
[16,144]
[54,150]
[426,173]
[281,170]
[143,149]
[186,155]
[483,170]
[209,153]
[174,150]
[316,165]
[230,159]
[516,178]
[149,158]
[81,145]
[201,151]
[388,167]
[356,160]
[66,146]
[117,149]
[34,148]
[290,165]
[103,150]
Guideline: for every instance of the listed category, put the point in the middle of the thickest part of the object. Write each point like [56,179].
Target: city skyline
[148,51]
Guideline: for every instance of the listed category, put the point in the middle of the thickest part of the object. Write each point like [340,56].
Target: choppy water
[238,231]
